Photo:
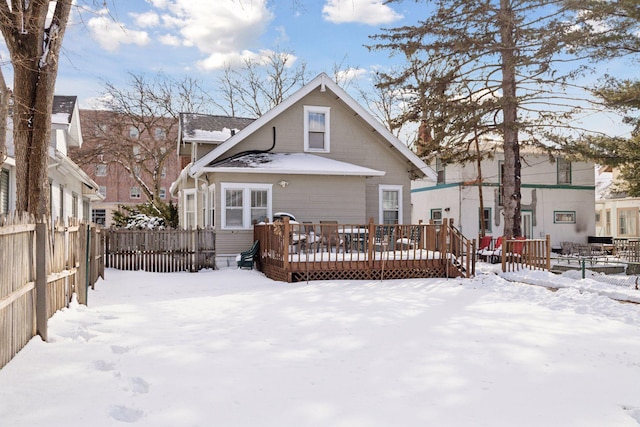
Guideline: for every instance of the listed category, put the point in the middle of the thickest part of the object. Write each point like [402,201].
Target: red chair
[484,247]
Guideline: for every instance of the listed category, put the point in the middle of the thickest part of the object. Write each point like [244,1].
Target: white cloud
[147,19]
[351,74]
[170,40]
[222,29]
[282,34]
[110,34]
[371,12]
[218,61]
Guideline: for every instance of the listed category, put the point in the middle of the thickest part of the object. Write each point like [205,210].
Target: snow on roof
[60,118]
[325,83]
[211,136]
[210,128]
[62,109]
[292,163]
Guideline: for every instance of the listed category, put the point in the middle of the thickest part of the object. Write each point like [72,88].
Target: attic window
[316,129]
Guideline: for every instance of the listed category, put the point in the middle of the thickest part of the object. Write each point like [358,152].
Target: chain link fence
[617,270]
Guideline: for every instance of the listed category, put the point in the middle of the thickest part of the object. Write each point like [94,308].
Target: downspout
[460,206]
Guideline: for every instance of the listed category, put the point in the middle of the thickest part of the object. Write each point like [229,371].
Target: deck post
[285,241]
[505,247]
[548,250]
[372,237]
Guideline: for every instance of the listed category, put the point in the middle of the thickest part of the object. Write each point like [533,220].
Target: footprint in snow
[138,385]
[125,414]
[104,366]
[118,349]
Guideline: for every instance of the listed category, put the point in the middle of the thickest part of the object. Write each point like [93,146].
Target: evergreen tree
[497,74]
[623,153]
[612,30]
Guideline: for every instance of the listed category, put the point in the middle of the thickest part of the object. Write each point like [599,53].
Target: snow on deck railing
[325,245]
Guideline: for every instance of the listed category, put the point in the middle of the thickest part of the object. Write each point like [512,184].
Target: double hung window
[245,204]
[391,204]
[316,129]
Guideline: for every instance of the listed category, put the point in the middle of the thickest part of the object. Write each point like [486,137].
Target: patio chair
[245,259]
[566,248]
[411,241]
[483,247]
[312,240]
[329,236]
[383,237]
[516,250]
[493,255]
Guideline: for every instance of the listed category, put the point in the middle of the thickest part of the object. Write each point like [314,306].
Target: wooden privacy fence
[520,253]
[41,267]
[161,251]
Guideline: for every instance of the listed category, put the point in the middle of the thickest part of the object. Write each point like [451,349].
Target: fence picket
[162,251]
[18,308]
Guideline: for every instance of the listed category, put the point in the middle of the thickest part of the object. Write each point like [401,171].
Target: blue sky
[197,38]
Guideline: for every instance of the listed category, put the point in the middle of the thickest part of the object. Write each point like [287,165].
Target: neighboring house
[71,190]
[318,155]
[557,197]
[115,149]
[617,215]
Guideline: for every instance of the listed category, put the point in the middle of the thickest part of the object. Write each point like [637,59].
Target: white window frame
[135,192]
[246,202]
[563,171]
[327,127]
[134,132]
[211,206]
[160,133]
[101,169]
[190,222]
[381,190]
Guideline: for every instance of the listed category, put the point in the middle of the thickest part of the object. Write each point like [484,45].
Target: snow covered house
[617,214]
[71,190]
[558,197]
[318,155]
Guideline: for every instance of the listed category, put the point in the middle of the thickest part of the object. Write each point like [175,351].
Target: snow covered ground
[232,348]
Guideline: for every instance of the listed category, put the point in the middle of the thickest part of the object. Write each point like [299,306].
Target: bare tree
[34,39]
[260,83]
[137,128]
[5,95]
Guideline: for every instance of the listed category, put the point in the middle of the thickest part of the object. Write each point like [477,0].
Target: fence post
[41,280]
[548,252]
[87,272]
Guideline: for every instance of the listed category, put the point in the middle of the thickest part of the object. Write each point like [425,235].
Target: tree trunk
[511,183]
[34,50]
[483,229]
[5,95]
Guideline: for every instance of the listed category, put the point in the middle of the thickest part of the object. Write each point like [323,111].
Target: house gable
[285,124]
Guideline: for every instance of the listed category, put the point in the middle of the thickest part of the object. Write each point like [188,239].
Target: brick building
[132,159]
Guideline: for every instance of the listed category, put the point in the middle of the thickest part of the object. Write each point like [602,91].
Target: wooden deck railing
[291,251]
[534,254]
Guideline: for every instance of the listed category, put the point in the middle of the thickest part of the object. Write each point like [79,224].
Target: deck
[293,252]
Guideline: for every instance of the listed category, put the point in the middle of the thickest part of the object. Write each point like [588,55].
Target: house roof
[62,110]
[324,82]
[207,128]
[293,163]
